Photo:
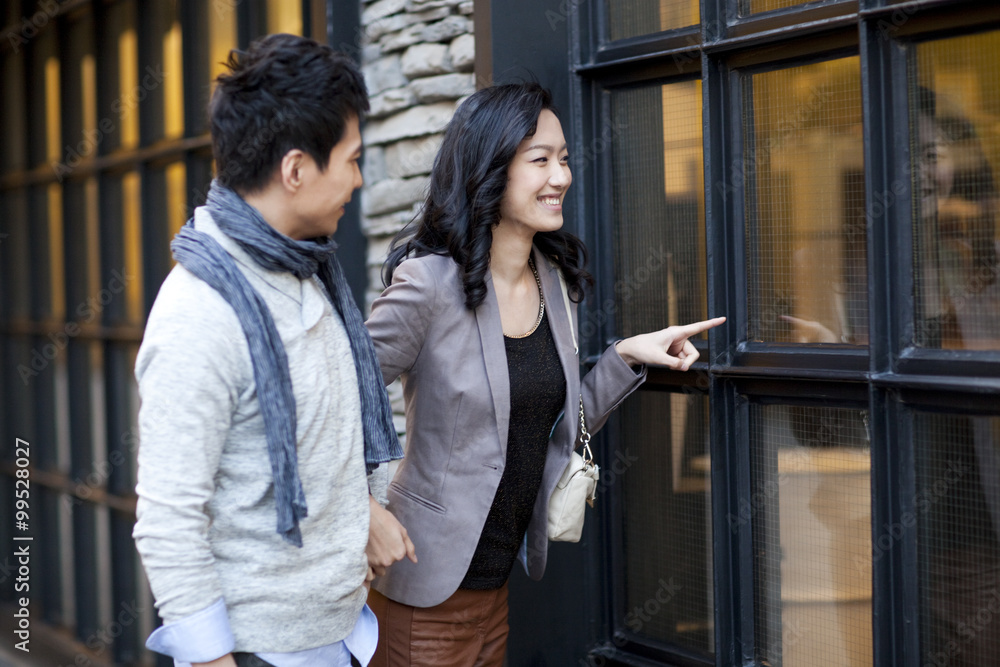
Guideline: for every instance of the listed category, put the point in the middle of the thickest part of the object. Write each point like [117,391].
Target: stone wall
[417,58]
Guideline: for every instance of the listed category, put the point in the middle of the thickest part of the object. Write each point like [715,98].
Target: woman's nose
[560,176]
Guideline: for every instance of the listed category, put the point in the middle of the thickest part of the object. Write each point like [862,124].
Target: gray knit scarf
[203,256]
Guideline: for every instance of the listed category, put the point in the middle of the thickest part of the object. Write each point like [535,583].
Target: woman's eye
[541,160]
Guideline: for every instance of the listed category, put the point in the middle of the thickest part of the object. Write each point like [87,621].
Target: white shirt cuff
[201,637]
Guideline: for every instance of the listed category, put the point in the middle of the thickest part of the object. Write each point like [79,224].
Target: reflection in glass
[958,511]
[806,223]
[659,211]
[655,139]
[663,472]
[810,510]
[955,116]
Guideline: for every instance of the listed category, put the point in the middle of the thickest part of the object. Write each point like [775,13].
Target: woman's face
[537,179]
[936,167]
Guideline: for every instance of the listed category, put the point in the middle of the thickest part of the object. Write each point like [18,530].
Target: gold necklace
[541,304]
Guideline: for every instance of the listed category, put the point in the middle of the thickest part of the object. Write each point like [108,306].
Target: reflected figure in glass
[957,306]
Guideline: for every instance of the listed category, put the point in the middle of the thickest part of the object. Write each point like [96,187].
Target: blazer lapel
[495,356]
[559,324]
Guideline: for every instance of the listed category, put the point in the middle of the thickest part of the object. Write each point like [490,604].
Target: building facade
[823,488]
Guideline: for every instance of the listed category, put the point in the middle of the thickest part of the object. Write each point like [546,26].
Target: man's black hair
[284,92]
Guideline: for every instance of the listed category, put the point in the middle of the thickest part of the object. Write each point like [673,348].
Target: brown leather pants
[469,629]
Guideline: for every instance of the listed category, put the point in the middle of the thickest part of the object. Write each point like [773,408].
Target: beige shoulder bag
[578,484]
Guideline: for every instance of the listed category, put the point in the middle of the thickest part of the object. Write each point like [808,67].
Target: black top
[537,393]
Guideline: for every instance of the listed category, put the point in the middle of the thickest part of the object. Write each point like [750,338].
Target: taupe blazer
[457,389]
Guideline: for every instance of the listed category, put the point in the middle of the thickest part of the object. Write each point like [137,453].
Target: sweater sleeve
[191,372]
[401,317]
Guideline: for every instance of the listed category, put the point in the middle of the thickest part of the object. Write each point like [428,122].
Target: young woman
[475,321]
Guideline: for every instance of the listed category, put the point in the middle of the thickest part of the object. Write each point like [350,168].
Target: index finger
[694,328]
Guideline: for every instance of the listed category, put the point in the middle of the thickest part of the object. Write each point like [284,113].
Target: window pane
[958,514]
[955,106]
[804,171]
[663,472]
[810,509]
[758,6]
[642,17]
[659,212]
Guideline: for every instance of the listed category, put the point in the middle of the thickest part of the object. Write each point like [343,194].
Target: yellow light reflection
[56,258]
[173,99]
[132,237]
[682,143]
[284,16]
[88,76]
[176,197]
[128,64]
[679,13]
[53,149]
[221,35]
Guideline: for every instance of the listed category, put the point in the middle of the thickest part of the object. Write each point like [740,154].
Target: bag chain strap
[588,456]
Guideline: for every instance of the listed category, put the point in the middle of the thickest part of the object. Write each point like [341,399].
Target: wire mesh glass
[804,179]
[642,17]
[664,475]
[810,512]
[957,506]
[955,118]
[748,7]
[659,211]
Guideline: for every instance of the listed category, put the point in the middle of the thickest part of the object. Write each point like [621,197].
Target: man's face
[320,201]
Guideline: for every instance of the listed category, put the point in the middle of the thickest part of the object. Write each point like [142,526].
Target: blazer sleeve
[401,317]
[607,384]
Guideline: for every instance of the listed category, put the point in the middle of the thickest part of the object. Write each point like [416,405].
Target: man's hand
[387,539]
[225,661]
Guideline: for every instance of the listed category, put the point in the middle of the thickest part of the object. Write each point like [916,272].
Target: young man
[262,400]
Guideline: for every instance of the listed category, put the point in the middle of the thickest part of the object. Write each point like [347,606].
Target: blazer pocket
[419,500]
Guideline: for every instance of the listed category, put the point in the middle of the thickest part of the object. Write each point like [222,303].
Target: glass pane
[668,518]
[955,112]
[659,211]
[758,6]
[804,173]
[810,509]
[642,17]
[958,514]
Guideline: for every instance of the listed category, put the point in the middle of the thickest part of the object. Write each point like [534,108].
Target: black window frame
[891,378]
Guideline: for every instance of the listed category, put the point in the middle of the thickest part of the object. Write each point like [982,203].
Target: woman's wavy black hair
[468,182]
